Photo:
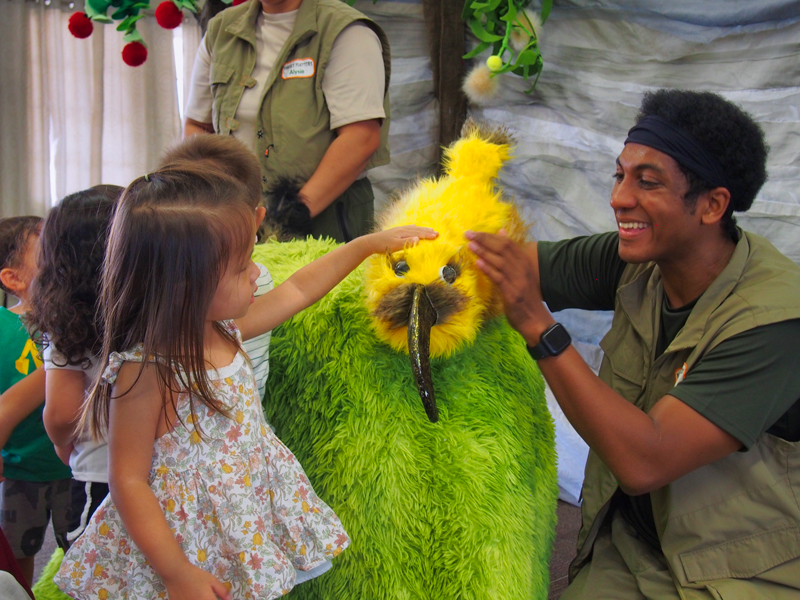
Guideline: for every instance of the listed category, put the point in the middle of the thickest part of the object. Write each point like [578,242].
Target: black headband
[660,134]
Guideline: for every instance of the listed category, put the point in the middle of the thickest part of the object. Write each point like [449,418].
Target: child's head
[176,233]
[223,152]
[71,251]
[18,236]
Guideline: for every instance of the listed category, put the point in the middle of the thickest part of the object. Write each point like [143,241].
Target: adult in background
[304,83]
[693,422]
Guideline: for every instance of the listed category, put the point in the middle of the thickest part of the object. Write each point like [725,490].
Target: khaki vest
[293,131]
[738,518]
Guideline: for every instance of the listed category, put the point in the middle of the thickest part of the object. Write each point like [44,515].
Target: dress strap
[115,362]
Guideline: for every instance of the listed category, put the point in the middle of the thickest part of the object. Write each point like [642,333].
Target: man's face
[653,222]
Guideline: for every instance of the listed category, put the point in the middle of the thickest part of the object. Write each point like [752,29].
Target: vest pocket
[742,558]
[219,79]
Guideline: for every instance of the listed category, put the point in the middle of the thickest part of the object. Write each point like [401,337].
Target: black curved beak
[421,319]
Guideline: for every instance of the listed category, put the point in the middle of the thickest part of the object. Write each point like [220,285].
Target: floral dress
[235,497]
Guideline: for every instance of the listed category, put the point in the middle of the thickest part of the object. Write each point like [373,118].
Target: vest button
[260,133]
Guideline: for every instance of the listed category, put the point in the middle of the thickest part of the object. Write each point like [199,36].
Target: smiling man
[693,478]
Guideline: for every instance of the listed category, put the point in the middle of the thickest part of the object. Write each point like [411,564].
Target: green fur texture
[45,589]
[461,509]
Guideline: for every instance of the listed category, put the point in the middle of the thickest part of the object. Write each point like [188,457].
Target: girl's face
[235,292]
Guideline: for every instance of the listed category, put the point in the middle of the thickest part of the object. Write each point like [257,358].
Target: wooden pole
[446,36]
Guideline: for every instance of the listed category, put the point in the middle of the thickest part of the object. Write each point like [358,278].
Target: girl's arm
[64,393]
[316,279]
[17,402]
[132,426]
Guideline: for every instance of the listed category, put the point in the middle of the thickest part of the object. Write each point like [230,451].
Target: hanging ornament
[80,25]
[134,54]
[127,12]
[168,15]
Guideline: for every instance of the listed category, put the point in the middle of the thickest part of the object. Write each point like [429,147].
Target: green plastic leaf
[511,14]
[476,50]
[141,5]
[127,23]
[133,36]
[95,8]
[547,6]
[481,33]
[189,5]
[123,13]
[526,57]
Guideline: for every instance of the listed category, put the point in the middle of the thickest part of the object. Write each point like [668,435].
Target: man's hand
[515,270]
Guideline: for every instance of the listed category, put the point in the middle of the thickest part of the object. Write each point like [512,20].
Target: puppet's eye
[448,274]
[401,268]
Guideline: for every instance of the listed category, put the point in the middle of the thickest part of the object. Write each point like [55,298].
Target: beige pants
[622,568]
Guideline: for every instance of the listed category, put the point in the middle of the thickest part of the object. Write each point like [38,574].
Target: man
[693,478]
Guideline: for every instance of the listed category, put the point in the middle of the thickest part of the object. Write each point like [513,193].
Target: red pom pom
[80,25]
[134,54]
[237,2]
[168,15]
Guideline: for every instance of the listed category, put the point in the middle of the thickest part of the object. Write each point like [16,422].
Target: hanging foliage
[168,14]
[511,32]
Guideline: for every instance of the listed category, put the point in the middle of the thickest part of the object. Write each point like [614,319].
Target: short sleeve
[198,104]
[53,359]
[748,383]
[582,272]
[354,81]
[115,361]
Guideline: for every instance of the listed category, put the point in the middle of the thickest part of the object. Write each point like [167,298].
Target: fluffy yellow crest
[465,198]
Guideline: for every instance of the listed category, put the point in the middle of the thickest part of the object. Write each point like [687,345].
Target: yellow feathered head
[434,288]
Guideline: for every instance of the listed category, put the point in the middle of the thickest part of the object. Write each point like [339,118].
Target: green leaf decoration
[95,9]
[141,5]
[481,33]
[493,22]
[526,57]
[133,36]
[547,6]
[188,5]
[127,24]
[476,50]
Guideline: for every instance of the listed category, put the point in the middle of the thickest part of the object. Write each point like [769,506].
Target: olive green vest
[738,518]
[293,132]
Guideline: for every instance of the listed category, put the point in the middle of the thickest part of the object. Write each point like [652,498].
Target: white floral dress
[235,497]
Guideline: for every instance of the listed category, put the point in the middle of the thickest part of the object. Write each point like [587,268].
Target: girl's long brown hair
[172,238]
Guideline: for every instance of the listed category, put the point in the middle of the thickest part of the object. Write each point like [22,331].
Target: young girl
[205,501]
[63,310]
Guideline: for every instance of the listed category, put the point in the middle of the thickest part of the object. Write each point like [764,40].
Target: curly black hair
[14,235]
[726,131]
[64,293]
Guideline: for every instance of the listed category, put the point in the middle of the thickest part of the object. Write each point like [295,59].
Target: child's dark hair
[172,240]
[14,235]
[64,292]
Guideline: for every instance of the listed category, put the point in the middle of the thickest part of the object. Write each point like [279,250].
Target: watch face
[556,338]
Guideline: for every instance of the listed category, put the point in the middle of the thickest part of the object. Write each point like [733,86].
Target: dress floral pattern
[235,497]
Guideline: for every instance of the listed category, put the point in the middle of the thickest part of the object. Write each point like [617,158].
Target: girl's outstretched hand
[398,238]
[189,582]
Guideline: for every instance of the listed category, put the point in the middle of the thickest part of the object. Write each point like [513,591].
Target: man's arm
[344,160]
[644,451]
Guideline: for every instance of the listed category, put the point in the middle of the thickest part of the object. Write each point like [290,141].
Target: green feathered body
[460,509]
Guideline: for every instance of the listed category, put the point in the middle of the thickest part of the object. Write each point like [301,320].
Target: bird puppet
[415,409]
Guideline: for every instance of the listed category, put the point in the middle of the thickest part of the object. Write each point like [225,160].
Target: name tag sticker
[298,68]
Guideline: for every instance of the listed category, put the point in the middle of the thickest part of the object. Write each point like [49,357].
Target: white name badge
[299,67]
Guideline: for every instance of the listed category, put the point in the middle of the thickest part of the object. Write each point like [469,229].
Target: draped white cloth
[74,114]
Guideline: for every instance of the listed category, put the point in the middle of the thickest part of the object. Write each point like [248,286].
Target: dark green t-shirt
[28,455]
[747,385]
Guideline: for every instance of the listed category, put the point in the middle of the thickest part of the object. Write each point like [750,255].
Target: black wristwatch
[553,342]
